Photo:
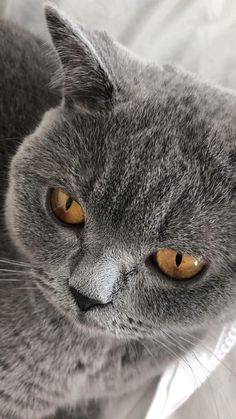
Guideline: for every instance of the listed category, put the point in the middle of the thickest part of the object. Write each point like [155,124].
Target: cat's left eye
[177,265]
[65,208]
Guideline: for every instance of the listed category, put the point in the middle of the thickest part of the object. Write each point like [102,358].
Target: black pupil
[178,259]
[69,202]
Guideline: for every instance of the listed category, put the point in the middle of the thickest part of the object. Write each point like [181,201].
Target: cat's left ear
[85,78]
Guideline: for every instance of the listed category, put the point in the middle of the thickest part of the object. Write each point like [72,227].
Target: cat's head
[126,192]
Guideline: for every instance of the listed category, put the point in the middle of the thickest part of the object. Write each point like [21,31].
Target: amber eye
[177,265]
[66,208]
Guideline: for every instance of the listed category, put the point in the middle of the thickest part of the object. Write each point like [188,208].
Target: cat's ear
[85,79]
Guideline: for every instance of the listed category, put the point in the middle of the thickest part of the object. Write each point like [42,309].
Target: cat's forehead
[143,143]
[147,146]
[140,135]
[135,162]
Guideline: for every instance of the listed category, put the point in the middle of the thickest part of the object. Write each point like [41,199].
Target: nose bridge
[96,279]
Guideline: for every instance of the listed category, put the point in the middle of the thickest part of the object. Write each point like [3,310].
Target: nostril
[84,302]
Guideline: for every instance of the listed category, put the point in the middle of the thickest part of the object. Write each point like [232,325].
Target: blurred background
[198,35]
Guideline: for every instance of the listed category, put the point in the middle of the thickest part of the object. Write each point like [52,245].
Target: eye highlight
[65,208]
[177,265]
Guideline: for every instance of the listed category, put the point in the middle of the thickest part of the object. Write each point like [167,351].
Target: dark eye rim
[151,264]
[52,215]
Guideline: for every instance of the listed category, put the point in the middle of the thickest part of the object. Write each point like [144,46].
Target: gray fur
[153,165]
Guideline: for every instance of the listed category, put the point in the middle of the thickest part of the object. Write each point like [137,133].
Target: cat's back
[26,68]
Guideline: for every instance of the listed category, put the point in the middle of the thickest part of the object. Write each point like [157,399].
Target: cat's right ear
[85,78]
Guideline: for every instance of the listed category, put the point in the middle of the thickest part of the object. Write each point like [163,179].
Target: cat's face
[151,168]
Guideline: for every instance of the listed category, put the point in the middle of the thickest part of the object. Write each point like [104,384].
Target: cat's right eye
[176,265]
[65,208]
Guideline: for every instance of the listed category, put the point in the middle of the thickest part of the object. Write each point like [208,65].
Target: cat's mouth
[96,321]
[106,321]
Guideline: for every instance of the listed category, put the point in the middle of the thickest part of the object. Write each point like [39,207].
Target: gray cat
[117,249]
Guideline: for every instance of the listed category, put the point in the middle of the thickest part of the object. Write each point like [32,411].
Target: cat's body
[44,362]
[51,355]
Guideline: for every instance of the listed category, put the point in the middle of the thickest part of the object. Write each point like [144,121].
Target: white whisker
[11,270]
[14,262]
